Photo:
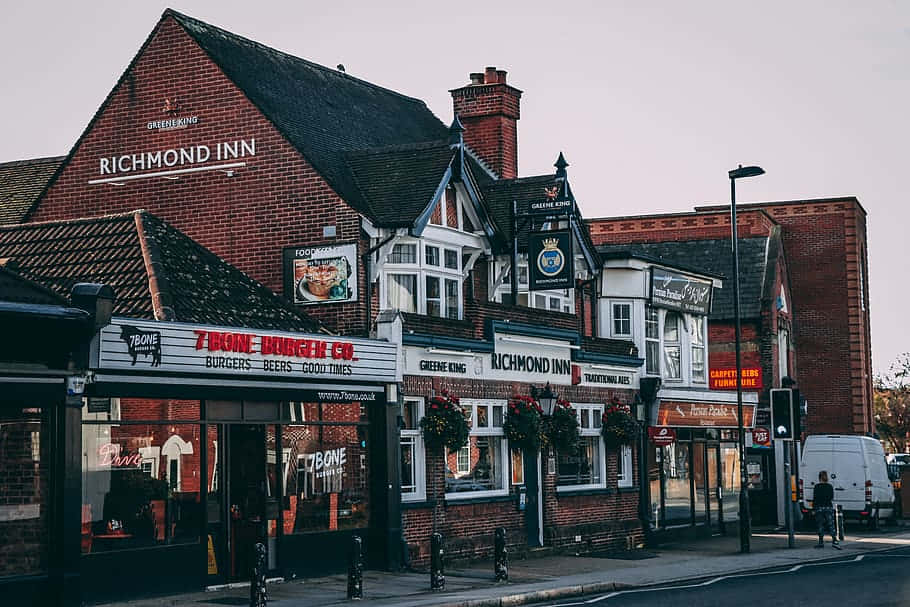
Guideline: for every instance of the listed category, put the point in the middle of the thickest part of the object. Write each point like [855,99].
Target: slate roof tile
[21,182]
[714,258]
[196,285]
[323,112]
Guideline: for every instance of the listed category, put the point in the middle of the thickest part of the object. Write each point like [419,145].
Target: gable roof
[714,258]
[322,112]
[21,182]
[156,271]
[398,183]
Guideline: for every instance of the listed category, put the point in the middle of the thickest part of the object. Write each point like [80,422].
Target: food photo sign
[321,274]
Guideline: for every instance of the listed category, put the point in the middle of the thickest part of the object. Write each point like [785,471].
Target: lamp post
[745,523]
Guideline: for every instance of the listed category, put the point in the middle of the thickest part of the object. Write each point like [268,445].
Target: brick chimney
[489,110]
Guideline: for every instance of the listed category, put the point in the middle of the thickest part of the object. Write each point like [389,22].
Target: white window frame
[596,412]
[629,306]
[421,269]
[566,296]
[679,343]
[415,438]
[691,320]
[624,461]
[656,340]
[505,457]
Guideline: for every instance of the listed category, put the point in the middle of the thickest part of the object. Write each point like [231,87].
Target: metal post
[500,556]
[788,505]
[355,568]
[258,594]
[437,575]
[840,522]
[745,523]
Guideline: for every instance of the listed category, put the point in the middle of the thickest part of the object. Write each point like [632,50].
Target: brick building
[358,205]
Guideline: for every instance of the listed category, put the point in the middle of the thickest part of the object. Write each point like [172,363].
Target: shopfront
[693,466]
[200,441]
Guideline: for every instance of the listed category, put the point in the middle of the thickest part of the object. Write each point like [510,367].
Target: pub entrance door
[238,500]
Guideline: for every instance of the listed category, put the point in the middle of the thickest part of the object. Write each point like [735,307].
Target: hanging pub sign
[675,291]
[555,202]
[550,260]
[321,274]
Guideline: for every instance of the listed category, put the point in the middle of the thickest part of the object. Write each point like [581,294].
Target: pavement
[554,577]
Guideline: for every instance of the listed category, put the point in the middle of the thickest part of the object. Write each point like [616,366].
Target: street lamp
[546,398]
[745,524]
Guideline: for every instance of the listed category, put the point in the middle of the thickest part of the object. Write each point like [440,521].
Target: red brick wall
[277,201]
[605,520]
[825,244]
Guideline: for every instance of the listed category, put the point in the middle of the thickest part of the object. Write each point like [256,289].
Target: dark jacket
[824,496]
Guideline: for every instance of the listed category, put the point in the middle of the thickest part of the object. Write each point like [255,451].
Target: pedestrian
[823,503]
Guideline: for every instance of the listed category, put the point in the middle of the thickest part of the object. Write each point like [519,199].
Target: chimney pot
[501,76]
[489,76]
[476,77]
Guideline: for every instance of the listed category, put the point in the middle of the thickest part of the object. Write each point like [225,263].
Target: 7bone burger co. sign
[181,348]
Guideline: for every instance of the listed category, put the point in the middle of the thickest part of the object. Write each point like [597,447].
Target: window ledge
[456,499]
[417,504]
[569,492]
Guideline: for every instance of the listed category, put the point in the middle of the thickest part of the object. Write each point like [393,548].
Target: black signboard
[675,291]
[550,260]
[550,206]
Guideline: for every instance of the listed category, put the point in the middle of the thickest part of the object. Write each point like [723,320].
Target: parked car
[857,470]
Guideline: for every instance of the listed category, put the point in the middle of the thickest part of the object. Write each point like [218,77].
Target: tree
[892,405]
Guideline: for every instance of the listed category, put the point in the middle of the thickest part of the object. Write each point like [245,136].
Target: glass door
[713,493]
[247,496]
[216,506]
[701,494]
[730,481]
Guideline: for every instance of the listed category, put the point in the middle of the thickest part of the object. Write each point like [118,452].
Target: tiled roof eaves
[159,286]
[606,255]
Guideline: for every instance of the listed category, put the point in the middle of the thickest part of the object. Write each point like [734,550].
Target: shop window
[402,292]
[677,497]
[585,467]
[140,484]
[622,319]
[672,350]
[24,506]
[652,341]
[487,467]
[327,468]
[697,339]
[413,476]
[624,466]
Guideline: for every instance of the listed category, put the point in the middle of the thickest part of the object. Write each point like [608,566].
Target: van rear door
[817,455]
[848,473]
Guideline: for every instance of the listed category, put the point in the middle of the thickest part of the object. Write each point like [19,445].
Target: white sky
[651,102]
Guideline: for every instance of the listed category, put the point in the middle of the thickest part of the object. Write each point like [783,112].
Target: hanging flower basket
[617,425]
[445,423]
[561,428]
[522,425]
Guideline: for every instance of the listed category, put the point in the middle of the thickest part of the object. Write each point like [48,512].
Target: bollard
[437,575]
[840,522]
[355,569]
[500,556]
[258,594]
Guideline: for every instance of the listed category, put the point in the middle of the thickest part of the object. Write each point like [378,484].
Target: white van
[857,470]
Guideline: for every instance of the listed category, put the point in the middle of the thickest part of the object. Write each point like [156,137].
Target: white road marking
[721,578]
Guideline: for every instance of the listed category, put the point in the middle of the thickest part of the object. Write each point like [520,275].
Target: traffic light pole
[788,499]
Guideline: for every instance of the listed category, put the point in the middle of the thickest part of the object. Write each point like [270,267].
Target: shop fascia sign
[676,291]
[177,348]
[725,379]
[516,358]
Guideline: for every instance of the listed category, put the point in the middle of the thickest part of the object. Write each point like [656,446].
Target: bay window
[482,467]
[585,467]
[697,339]
[423,284]
[672,350]
[401,292]
[652,341]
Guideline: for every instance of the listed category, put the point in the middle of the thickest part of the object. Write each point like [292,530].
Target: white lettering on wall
[196,154]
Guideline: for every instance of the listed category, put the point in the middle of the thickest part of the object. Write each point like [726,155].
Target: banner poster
[550,260]
[321,274]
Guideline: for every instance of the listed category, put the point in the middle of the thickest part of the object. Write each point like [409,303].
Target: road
[873,580]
